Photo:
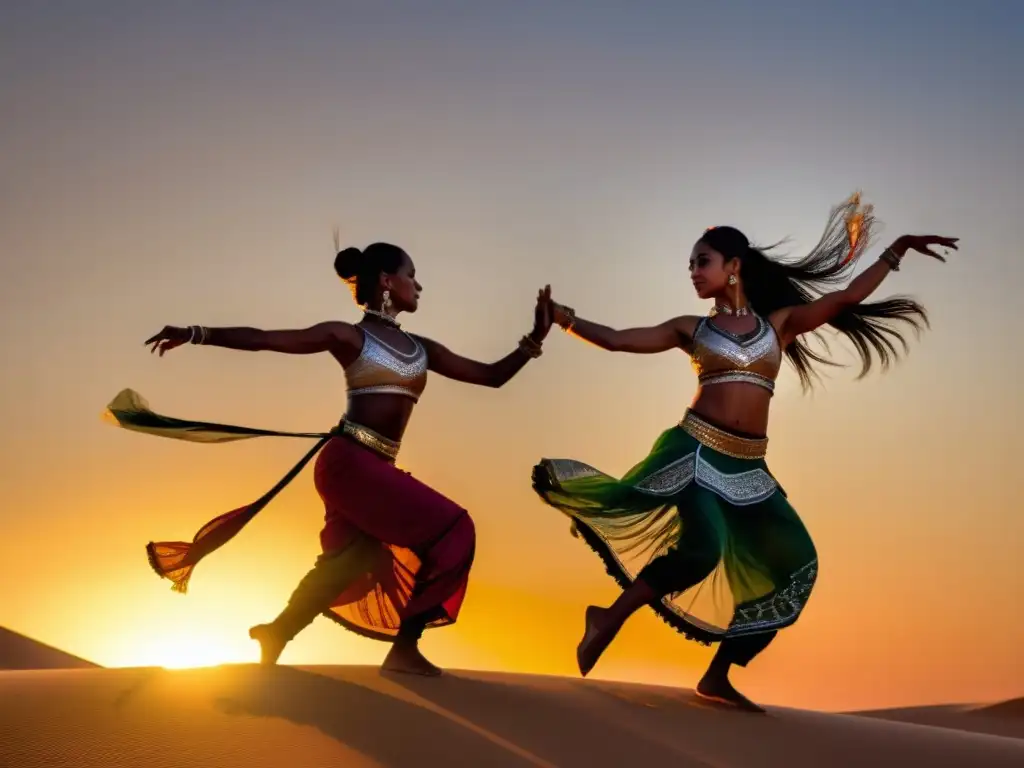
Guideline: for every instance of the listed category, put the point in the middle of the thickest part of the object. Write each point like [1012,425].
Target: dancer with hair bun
[396,554]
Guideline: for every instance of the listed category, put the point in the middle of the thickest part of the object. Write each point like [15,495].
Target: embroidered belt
[718,439]
[370,439]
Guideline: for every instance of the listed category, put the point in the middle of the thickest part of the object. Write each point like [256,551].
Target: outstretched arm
[322,337]
[805,318]
[442,360]
[671,334]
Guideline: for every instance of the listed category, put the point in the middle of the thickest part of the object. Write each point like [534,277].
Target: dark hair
[773,283]
[362,269]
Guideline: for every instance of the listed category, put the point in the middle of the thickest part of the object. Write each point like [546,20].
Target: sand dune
[20,652]
[1013,708]
[353,716]
[1003,719]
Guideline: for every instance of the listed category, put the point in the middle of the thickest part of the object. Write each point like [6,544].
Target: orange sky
[137,194]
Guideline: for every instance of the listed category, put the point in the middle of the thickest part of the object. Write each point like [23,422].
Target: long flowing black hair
[772,283]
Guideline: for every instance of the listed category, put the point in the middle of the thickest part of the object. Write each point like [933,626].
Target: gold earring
[385,302]
[733,280]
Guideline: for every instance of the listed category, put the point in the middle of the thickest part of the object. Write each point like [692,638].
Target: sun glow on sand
[183,650]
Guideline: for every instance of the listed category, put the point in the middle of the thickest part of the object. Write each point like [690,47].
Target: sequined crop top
[721,357]
[382,369]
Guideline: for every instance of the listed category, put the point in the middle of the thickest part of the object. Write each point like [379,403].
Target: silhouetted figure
[700,530]
[396,553]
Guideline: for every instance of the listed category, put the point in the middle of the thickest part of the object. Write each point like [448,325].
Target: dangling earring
[385,302]
[733,280]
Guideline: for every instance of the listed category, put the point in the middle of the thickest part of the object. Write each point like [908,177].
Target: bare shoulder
[424,340]
[339,330]
[687,324]
[686,327]
[431,347]
[343,339]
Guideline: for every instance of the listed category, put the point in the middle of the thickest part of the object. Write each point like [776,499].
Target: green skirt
[703,521]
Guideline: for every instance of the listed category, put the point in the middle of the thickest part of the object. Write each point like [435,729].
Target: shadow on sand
[384,728]
[568,730]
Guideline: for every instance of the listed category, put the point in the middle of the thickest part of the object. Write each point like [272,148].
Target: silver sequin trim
[742,353]
[670,479]
[745,377]
[778,609]
[416,348]
[384,356]
[741,489]
[378,355]
[570,469]
[384,389]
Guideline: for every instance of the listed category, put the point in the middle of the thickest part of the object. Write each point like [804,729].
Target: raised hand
[923,244]
[543,313]
[169,338]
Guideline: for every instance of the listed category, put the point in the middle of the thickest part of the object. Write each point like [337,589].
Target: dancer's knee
[467,535]
[467,526]
[692,560]
[678,570]
[457,544]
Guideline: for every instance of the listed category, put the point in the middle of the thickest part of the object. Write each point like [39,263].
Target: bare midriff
[387,415]
[737,407]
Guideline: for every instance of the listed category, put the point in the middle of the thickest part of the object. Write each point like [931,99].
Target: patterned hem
[661,608]
[375,634]
[750,486]
[771,613]
[779,609]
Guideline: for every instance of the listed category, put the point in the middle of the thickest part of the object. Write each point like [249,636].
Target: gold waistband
[370,439]
[718,439]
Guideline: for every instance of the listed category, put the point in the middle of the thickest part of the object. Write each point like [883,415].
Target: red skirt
[395,547]
[417,545]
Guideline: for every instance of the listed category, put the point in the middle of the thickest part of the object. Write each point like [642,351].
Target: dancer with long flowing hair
[700,530]
[396,554]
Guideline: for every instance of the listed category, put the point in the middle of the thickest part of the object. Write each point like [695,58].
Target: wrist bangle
[889,257]
[530,347]
[199,334]
[570,319]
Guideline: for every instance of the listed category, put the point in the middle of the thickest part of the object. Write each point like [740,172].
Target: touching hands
[543,314]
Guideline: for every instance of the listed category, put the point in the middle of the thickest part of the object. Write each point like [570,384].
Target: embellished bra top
[721,357]
[382,369]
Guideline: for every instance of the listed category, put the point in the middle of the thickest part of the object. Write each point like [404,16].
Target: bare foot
[270,644]
[718,689]
[406,659]
[597,636]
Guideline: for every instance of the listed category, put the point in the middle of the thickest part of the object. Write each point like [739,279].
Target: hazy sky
[185,164]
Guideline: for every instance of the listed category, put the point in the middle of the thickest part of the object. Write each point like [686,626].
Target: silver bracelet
[889,257]
[198,334]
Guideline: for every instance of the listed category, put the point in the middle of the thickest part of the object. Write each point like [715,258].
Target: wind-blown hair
[772,283]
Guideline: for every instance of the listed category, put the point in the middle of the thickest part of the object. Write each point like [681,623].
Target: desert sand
[20,652]
[294,717]
[1003,719]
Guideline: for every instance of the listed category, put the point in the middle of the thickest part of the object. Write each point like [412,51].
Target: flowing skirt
[393,547]
[408,548]
[703,521]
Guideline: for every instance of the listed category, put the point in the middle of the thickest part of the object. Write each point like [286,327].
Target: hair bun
[347,263]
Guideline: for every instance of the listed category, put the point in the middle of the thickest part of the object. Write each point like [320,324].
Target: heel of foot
[721,692]
[408,660]
[271,646]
